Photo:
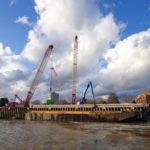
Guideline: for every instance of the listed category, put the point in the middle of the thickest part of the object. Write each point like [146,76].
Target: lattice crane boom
[38,75]
[17,97]
[74,74]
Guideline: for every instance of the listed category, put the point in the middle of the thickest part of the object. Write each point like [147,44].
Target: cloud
[12,71]
[128,64]
[109,5]
[52,27]
[12,2]
[96,34]
[24,20]
[4,50]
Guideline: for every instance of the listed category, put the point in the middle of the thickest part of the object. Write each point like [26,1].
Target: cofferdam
[86,112]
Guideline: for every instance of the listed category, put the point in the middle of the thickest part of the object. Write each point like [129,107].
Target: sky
[113,53]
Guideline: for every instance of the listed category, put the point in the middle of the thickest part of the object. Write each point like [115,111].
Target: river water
[34,135]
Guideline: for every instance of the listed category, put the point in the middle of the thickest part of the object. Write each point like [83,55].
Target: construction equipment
[17,97]
[38,75]
[52,95]
[74,74]
[83,101]
[61,83]
[51,76]
[51,80]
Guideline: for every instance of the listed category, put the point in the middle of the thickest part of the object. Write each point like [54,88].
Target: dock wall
[101,113]
[12,113]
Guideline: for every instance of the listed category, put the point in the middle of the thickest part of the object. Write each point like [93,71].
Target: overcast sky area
[114,45]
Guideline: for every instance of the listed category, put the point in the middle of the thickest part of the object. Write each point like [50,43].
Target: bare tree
[113,99]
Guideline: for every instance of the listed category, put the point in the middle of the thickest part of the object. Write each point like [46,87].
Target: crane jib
[38,75]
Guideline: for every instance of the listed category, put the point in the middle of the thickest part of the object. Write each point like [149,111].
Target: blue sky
[134,13]
[12,33]
[25,33]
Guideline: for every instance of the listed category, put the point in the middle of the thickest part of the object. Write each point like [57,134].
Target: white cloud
[128,63]
[4,50]
[24,20]
[109,5]
[12,70]
[58,23]
[12,2]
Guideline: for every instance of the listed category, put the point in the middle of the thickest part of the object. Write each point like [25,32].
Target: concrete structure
[53,98]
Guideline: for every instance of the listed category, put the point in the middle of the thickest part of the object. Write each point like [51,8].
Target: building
[144,97]
[53,98]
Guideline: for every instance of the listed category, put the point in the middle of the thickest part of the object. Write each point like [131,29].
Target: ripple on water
[34,135]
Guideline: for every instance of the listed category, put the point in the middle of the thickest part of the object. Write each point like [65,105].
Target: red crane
[38,75]
[17,97]
[74,74]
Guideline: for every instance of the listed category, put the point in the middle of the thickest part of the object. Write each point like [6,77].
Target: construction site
[75,110]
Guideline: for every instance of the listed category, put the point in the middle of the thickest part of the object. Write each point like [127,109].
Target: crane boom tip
[76,37]
[51,46]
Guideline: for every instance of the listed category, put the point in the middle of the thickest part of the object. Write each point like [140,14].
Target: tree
[3,101]
[127,98]
[113,99]
[36,102]
[63,101]
[100,101]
